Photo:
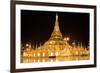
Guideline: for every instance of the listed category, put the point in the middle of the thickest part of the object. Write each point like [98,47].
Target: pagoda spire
[56,31]
[56,28]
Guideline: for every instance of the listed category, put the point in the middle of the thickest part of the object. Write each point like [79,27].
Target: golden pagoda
[56,48]
[56,44]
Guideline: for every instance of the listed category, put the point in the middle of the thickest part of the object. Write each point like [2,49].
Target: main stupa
[56,43]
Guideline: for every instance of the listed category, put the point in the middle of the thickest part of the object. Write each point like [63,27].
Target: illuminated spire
[81,45]
[40,44]
[74,44]
[56,31]
[56,28]
[36,46]
[78,44]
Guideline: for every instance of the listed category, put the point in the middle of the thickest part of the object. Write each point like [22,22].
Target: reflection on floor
[60,58]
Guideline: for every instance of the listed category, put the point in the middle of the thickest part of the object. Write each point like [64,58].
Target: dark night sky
[37,26]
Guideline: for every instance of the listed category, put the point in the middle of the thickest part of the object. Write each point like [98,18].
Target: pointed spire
[56,31]
[78,44]
[56,28]
[40,44]
[74,44]
[81,45]
[33,46]
[36,45]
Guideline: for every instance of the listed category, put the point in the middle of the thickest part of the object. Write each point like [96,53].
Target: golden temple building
[56,48]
